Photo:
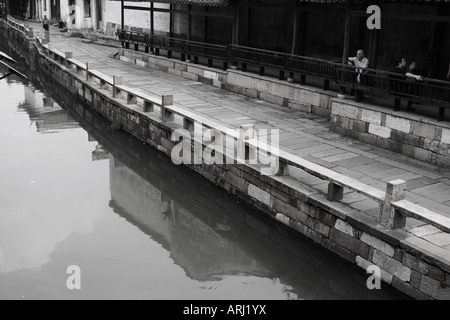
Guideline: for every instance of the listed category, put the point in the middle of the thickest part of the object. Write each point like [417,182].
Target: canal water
[74,192]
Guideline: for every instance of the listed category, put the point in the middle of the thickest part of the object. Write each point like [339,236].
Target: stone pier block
[389,217]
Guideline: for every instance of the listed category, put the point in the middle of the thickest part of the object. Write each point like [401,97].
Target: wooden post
[189,31]
[170,21]
[122,10]
[348,18]
[152,24]
[375,35]
[235,37]
[346,46]
[296,26]
[205,35]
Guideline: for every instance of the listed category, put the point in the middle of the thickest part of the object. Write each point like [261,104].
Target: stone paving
[302,134]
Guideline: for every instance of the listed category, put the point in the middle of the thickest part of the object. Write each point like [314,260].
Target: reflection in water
[138,226]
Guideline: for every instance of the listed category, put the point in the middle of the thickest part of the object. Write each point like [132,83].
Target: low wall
[410,135]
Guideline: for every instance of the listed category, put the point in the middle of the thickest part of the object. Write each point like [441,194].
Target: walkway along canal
[352,234]
[138,226]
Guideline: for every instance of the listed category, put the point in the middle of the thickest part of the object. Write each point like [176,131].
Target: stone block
[378,244]
[422,155]
[322,228]
[344,227]
[349,243]
[326,218]
[340,251]
[380,131]
[290,211]
[434,289]
[416,277]
[259,194]
[408,289]
[307,232]
[424,130]
[344,110]
[436,273]
[283,219]
[445,138]
[371,116]
[389,145]
[399,124]
[443,161]
[392,266]
[364,264]
[368,138]
[326,243]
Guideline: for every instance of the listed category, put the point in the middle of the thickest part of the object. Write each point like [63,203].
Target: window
[87,8]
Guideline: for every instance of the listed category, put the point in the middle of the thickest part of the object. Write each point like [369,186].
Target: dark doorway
[99,14]
[55,9]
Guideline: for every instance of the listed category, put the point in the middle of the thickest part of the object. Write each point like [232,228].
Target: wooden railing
[188,49]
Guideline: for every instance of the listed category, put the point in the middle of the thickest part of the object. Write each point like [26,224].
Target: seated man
[400,87]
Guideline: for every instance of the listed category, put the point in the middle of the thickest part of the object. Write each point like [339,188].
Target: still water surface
[75,192]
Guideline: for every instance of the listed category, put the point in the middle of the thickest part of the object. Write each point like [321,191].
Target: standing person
[361,63]
[401,87]
[46,23]
[421,62]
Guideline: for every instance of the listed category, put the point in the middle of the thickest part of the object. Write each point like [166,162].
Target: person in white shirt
[360,62]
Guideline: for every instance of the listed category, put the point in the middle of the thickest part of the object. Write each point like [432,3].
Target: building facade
[331,29]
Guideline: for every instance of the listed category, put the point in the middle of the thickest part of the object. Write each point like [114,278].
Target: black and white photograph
[225,156]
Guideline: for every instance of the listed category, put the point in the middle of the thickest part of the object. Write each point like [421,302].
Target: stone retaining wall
[410,135]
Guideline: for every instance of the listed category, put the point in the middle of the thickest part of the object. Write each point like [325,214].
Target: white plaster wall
[134,18]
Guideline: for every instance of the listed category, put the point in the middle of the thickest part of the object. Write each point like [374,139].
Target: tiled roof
[205,3]
[220,3]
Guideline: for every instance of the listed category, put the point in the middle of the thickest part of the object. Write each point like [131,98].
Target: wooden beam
[404,16]
[183,12]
